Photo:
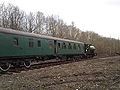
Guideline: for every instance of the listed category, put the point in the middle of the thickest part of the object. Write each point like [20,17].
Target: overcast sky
[100,16]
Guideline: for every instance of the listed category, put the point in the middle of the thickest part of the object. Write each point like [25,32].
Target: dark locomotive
[21,48]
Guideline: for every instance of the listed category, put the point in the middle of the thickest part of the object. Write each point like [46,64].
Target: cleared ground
[94,74]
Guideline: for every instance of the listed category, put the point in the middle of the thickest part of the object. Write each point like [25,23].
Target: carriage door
[55,46]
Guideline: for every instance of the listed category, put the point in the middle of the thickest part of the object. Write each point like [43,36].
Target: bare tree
[40,23]
[4,16]
[51,25]
[11,17]
[31,22]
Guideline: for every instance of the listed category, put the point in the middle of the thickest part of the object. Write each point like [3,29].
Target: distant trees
[14,18]
[11,17]
[104,45]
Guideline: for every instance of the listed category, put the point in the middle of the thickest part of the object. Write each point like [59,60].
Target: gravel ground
[94,74]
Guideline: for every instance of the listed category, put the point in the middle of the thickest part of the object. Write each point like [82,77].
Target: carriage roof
[11,31]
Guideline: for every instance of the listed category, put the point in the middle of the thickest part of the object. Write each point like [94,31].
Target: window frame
[39,44]
[79,47]
[74,46]
[64,45]
[16,41]
[69,46]
[58,45]
[31,42]
[50,44]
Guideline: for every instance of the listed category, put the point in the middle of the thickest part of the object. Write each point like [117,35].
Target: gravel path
[95,74]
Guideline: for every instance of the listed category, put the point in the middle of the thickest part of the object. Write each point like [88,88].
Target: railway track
[43,64]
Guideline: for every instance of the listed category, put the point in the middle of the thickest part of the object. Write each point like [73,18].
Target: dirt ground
[94,74]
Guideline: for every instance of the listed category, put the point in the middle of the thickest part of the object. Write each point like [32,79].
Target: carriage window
[64,46]
[79,46]
[74,46]
[69,46]
[15,41]
[58,45]
[50,44]
[31,43]
[39,43]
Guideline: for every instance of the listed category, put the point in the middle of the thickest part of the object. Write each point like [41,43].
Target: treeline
[12,17]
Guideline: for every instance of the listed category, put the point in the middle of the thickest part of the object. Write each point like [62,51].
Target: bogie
[27,63]
[5,66]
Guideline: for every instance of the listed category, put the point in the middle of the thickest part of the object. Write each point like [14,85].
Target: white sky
[100,16]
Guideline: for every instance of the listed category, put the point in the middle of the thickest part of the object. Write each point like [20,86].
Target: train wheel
[27,64]
[5,67]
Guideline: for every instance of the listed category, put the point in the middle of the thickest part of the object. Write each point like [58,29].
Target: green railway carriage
[70,48]
[17,46]
[16,43]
